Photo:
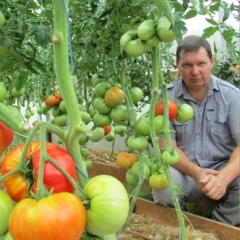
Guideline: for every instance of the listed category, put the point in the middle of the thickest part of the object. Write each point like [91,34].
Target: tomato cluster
[149,34]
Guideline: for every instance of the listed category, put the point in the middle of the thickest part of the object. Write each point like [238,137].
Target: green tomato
[6,207]
[136,94]
[142,126]
[170,157]
[61,120]
[109,205]
[110,136]
[3,92]
[146,30]
[185,113]
[62,106]
[101,106]
[137,142]
[97,134]
[158,123]
[135,170]
[101,88]
[164,30]
[119,114]
[86,117]
[83,138]
[101,120]
[15,112]
[131,179]
[134,47]
[8,236]
[154,41]
[119,129]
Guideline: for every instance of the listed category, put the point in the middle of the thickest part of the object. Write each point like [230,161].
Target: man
[208,144]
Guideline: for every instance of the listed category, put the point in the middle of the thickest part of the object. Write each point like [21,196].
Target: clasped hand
[211,183]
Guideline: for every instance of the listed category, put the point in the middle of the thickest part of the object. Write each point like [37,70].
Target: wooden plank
[168,216]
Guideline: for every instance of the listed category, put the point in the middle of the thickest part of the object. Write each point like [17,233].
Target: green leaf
[208,32]
[226,14]
[190,14]
[211,21]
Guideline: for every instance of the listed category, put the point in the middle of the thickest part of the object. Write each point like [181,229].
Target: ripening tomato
[6,137]
[114,96]
[53,100]
[59,216]
[158,181]
[172,107]
[126,160]
[109,205]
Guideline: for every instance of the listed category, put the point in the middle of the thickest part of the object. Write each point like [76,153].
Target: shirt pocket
[217,126]
[183,132]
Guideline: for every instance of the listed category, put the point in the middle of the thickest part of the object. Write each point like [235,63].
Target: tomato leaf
[208,32]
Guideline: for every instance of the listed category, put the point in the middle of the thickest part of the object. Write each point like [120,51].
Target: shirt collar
[182,91]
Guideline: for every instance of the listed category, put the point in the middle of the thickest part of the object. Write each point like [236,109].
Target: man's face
[195,69]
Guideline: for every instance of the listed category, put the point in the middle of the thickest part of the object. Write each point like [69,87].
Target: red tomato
[60,216]
[54,178]
[172,106]
[53,100]
[6,137]
[107,129]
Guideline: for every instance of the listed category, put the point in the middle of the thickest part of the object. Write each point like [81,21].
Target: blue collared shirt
[211,136]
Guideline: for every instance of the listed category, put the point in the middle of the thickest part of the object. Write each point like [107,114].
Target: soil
[140,227]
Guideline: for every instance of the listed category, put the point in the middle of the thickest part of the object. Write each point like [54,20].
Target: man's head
[193,43]
[195,63]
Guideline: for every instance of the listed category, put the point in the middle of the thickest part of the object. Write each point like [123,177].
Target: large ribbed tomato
[17,185]
[60,216]
[109,205]
[20,184]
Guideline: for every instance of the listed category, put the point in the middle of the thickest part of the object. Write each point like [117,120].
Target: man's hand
[213,186]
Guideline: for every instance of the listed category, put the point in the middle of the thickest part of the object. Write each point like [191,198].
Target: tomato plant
[109,205]
[185,113]
[53,178]
[59,216]
[126,160]
[171,157]
[158,181]
[172,109]
[6,206]
[6,137]
[114,96]
[135,142]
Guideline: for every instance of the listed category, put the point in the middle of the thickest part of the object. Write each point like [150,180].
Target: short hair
[193,43]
